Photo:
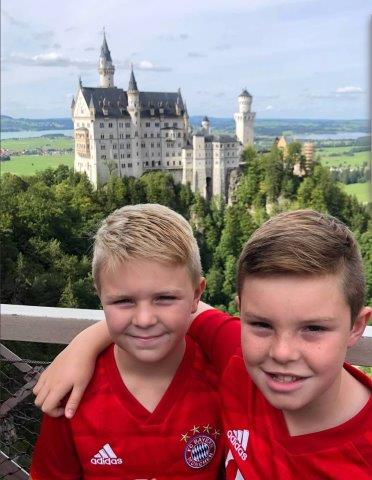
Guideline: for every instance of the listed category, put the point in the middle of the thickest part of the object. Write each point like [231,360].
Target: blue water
[29,134]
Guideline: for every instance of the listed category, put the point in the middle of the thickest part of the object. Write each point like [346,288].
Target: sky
[297,58]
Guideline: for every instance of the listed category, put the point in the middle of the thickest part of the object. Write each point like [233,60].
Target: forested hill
[48,221]
[271,127]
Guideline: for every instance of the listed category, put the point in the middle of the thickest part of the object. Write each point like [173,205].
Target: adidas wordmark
[106,456]
[239,440]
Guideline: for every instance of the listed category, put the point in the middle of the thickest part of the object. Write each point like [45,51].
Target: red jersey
[259,445]
[113,436]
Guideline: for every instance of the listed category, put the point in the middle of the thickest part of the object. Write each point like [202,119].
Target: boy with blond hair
[292,407]
[151,409]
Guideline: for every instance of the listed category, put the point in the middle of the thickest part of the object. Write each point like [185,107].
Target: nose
[144,316]
[284,349]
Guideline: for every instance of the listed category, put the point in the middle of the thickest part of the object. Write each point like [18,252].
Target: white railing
[60,325]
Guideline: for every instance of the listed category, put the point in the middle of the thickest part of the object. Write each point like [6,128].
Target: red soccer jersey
[259,445]
[113,436]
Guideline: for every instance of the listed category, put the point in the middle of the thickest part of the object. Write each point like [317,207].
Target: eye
[315,329]
[166,298]
[123,301]
[260,325]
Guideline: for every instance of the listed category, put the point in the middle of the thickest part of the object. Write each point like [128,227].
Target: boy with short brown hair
[292,408]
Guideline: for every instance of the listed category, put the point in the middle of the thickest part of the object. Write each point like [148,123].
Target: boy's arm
[217,333]
[72,370]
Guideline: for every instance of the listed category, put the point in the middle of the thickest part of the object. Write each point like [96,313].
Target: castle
[132,132]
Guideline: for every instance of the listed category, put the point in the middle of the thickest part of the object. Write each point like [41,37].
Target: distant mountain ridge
[270,127]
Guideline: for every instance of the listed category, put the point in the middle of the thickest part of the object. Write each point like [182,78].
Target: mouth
[280,382]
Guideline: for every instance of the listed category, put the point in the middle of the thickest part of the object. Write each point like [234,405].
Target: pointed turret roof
[206,119]
[105,52]
[73,102]
[245,93]
[91,103]
[132,82]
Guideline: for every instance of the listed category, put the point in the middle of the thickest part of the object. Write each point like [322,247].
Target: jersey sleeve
[218,335]
[54,455]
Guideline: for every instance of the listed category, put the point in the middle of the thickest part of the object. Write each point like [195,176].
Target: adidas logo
[106,456]
[239,440]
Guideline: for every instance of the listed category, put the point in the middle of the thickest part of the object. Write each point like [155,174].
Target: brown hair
[146,231]
[305,242]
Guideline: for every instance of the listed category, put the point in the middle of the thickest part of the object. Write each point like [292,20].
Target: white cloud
[147,65]
[51,59]
[269,107]
[349,89]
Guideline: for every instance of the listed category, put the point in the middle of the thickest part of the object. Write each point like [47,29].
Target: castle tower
[134,111]
[205,124]
[244,119]
[106,69]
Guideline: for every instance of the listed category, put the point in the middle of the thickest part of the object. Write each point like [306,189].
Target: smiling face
[148,308]
[295,333]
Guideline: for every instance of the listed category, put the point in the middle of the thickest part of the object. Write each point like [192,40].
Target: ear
[360,324]
[198,292]
[237,301]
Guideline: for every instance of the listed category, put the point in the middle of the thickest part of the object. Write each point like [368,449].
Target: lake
[34,133]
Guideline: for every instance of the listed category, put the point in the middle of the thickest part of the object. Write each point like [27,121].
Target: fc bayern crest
[199,451]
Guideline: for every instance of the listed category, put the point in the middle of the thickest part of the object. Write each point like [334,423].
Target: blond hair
[305,242]
[145,232]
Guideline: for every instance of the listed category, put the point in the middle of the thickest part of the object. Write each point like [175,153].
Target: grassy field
[17,144]
[344,157]
[360,190]
[30,164]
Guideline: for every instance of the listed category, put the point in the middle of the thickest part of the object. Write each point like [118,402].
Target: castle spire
[106,69]
[132,81]
[105,52]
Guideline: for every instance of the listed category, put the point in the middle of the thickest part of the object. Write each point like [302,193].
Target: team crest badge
[199,451]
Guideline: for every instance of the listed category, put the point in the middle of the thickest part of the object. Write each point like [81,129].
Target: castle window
[111,136]
[127,124]
[101,125]
[129,165]
[128,155]
[115,155]
[175,124]
[123,165]
[143,145]
[158,144]
[114,146]
[168,164]
[147,124]
[166,134]
[102,135]
[128,145]
[121,124]
[152,144]
[179,134]
[173,154]
[145,135]
[122,145]
[135,134]
[103,147]
[166,124]
[179,163]
[122,156]
[121,135]
[103,157]
[158,135]
[156,124]
[147,164]
[110,125]
[174,163]
[167,155]
[152,135]
[128,135]
[159,163]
